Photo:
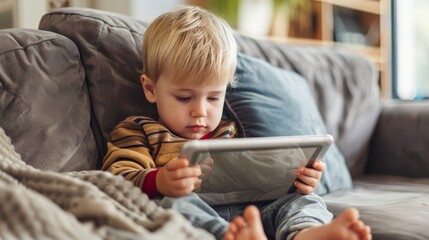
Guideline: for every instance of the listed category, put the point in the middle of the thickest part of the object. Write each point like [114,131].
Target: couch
[64,86]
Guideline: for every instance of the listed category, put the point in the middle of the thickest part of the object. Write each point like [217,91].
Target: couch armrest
[400,144]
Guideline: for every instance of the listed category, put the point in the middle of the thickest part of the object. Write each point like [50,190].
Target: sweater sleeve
[128,155]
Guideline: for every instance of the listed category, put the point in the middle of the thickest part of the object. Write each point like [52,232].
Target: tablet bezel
[320,142]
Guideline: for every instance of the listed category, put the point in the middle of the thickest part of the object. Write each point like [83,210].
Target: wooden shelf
[365,14]
[370,6]
[300,41]
[368,15]
[355,25]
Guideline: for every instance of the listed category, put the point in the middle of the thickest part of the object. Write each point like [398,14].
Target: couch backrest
[109,45]
[344,84]
[44,100]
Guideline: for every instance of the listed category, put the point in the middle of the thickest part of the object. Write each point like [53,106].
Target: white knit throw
[37,204]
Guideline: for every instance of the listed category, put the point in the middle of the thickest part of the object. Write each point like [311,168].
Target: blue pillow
[269,101]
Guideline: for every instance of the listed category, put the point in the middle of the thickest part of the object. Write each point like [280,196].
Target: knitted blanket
[39,204]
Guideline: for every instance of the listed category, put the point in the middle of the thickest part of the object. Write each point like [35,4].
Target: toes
[367,235]
[239,222]
[362,230]
[358,226]
[253,217]
[233,228]
[350,215]
[228,236]
[251,213]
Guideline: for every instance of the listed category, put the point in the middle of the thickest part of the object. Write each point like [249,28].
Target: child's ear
[148,88]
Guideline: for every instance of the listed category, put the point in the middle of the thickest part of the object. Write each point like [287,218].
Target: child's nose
[199,110]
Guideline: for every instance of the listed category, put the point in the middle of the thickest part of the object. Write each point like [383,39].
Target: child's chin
[194,136]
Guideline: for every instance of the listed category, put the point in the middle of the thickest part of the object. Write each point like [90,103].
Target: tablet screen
[250,175]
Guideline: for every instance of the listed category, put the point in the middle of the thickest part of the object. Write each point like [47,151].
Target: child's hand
[206,166]
[309,177]
[177,178]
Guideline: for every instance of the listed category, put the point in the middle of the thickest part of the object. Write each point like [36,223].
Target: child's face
[186,110]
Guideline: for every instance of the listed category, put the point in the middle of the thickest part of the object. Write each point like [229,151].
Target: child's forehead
[184,78]
[194,87]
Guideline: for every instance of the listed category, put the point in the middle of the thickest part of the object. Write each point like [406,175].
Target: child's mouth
[196,128]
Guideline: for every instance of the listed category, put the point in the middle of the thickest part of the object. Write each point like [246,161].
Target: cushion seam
[59,37]
[91,17]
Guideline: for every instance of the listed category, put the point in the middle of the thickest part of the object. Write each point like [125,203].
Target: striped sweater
[140,145]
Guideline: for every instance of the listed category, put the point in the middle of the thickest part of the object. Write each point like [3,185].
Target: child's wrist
[149,185]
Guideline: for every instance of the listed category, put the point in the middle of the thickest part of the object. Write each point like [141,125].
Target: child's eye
[213,99]
[183,99]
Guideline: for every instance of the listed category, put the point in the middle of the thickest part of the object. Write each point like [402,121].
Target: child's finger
[309,172]
[186,172]
[303,188]
[176,163]
[309,181]
[319,165]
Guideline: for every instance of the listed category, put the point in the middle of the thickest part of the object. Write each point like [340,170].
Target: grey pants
[282,219]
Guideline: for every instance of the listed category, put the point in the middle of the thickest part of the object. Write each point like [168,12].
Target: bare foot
[246,227]
[346,226]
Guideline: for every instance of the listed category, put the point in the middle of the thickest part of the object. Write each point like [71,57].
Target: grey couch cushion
[344,85]
[400,145]
[269,101]
[110,50]
[396,208]
[44,100]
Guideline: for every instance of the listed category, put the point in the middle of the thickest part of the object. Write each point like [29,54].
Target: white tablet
[242,170]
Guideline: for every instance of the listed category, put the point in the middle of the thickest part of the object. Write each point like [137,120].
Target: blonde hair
[196,45]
